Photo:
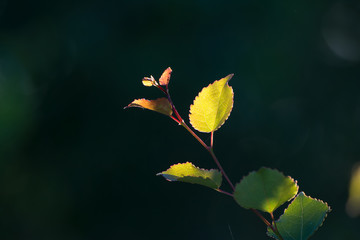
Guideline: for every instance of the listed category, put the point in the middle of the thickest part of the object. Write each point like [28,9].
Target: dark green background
[75,165]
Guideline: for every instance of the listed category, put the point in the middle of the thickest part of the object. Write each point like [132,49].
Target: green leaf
[161,105]
[265,190]
[187,172]
[301,219]
[212,106]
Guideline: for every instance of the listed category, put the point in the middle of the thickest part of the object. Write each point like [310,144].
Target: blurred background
[75,165]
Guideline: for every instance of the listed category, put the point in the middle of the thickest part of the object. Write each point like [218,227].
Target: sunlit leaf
[161,105]
[301,219]
[187,172]
[149,81]
[265,190]
[212,106]
[165,77]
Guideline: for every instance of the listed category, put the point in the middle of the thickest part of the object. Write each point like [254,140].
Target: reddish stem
[175,119]
[262,218]
[274,224]
[212,140]
[226,193]
[167,93]
[210,150]
[162,89]
[194,135]
[173,106]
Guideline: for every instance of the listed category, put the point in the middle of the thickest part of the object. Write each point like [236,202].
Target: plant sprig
[264,190]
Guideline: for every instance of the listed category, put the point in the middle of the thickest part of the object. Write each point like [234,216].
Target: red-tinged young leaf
[161,105]
[149,81]
[165,77]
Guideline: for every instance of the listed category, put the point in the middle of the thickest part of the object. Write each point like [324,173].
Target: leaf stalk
[275,229]
[224,192]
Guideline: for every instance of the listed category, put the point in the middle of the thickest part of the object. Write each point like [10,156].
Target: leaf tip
[229,77]
[318,200]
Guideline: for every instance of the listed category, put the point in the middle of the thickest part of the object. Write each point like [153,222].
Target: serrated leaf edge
[295,181]
[319,200]
[209,170]
[212,169]
[232,106]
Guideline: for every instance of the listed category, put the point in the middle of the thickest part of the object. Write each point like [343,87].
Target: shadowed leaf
[187,172]
[212,106]
[301,219]
[265,190]
[160,105]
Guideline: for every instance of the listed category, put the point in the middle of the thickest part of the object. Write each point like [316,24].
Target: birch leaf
[161,105]
[188,172]
[149,81]
[212,106]
[301,219]
[265,190]
[165,77]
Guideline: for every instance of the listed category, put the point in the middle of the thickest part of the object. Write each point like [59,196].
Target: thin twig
[276,229]
[262,218]
[222,191]
[212,140]
[220,168]
[209,149]
[175,119]
[173,106]
[194,135]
